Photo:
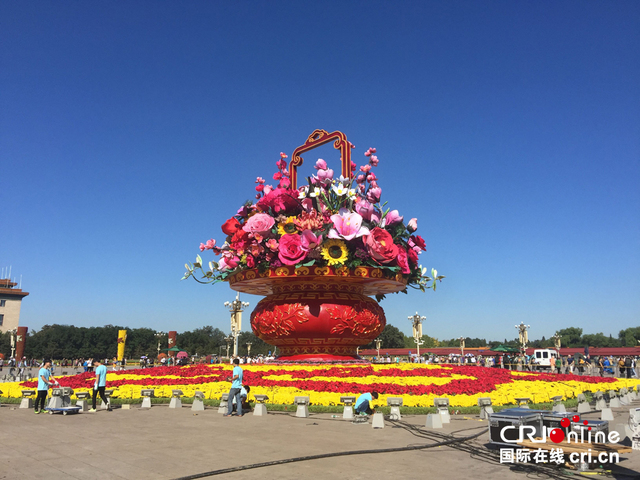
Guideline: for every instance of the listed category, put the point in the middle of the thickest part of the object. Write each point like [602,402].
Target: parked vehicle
[544,357]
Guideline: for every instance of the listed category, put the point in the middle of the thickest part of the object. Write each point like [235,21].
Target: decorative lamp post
[159,336]
[378,343]
[462,349]
[557,341]
[523,336]
[228,339]
[12,336]
[249,349]
[417,330]
[236,308]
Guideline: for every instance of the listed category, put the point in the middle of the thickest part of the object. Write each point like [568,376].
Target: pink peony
[393,217]
[290,250]
[280,200]
[320,165]
[347,225]
[309,240]
[380,245]
[259,223]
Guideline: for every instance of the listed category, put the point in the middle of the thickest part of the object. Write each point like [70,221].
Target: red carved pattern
[278,320]
[365,320]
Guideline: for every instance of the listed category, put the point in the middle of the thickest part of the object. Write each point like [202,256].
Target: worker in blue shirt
[100,385]
[236,389]
[45,380]
[363,403]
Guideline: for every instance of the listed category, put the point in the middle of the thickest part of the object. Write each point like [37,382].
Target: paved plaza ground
[164,443]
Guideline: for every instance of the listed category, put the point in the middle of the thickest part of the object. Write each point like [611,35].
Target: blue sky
[130,131]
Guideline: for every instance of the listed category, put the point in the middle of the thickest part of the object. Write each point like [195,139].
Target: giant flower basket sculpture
[318,253]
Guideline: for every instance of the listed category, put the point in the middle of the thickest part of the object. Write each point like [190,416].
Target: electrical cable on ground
[449,441]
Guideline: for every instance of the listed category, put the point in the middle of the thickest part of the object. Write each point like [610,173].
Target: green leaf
[308,264]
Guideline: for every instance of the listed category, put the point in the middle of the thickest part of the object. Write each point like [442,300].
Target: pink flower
[290,250]
[309,240]
[259,180]
[259,223]
[380,245]
[208,246]
[283,155]
[320,165]
[353,166]
[393,217]
[324,175]
[259,188]
[365,168]
[268,189]
[368,211]
[228,261]
[373,161]
[281,164]
[412,226]
[281,201]
[272,244]
[347,225]
[402,261]
[373,195]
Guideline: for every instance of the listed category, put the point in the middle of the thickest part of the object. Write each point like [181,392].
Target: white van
[544,357]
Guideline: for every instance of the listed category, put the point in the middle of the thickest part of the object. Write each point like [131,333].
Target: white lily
[315,192]
[339,189]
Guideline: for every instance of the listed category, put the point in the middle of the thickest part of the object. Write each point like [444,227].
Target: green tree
[571,337]
[391,337]
[629,337]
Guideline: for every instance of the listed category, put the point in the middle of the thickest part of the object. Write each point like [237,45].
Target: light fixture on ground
[601,403]
[147,394]
[523,402]
[236,308]
[176,399]
[60,397]
[260,409]
[224,403]
[348,402]
[395,403]
[614,401]
[558,406]
[198,401]
[83,401]
[417,330]
[583,405]
[27,401]
[303,406]
[485,407]
[523,336]
[442,407]
[107,393]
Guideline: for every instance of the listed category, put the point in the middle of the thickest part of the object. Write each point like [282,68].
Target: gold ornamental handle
[317,138]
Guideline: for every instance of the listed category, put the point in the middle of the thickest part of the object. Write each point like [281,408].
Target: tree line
[68,341]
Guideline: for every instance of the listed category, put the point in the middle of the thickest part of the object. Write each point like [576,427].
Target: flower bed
[418,384]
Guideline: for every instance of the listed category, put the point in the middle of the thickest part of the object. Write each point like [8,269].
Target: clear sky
[130,131]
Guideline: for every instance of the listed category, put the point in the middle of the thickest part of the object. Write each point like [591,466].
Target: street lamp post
[523,336]
[12,335]
[557,341]
[378,343]
[417,330]
[462,349]
[159,336]
[228,339]
[249,349]
[236,308]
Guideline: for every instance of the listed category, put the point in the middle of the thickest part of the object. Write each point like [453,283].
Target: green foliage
[629,337]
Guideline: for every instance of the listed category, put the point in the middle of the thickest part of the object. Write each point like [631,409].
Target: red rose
[290,249]
[413,257]
[231,226]
[281,200]
[402,261]
[380,245]
[419,241]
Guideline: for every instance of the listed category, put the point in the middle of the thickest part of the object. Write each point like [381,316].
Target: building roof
[7,289]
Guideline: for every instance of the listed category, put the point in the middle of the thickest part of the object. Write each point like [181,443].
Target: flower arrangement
[330,222]
[417,384]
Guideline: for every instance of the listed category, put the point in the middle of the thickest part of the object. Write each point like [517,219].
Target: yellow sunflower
[335,252]
[287,227]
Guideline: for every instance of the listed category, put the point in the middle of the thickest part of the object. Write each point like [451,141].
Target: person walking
[236,389]
[100,385]
[45,380]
